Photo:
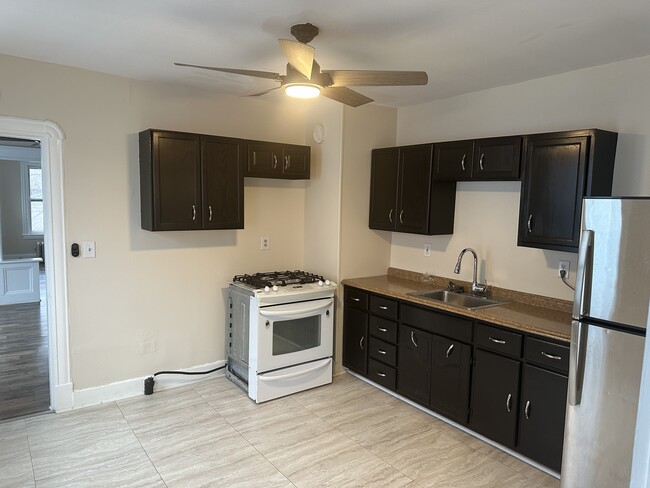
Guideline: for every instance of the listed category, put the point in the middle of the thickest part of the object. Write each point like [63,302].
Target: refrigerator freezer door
[620,277]
[599,432]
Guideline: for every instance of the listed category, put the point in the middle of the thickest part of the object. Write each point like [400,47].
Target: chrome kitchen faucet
[477,289]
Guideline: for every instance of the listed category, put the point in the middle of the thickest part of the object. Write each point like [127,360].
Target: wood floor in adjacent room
[24,360]
[211,434]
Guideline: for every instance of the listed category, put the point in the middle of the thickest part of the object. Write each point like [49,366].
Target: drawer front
[547,354]
[356,298]
[382,374]
[498,340]
[383,306]
[383,351]
[383,329]
[437,323]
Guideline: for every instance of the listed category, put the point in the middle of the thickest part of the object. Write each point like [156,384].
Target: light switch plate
[88,249]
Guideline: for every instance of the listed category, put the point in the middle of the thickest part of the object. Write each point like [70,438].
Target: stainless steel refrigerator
[608,330]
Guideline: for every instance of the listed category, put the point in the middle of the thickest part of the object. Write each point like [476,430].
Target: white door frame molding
[51,137]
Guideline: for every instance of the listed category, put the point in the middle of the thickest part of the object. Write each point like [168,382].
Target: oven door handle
[281,377]
[297,310]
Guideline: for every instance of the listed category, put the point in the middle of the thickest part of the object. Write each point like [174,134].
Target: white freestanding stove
[281,333]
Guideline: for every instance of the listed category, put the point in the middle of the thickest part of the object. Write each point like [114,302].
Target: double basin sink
[462,300]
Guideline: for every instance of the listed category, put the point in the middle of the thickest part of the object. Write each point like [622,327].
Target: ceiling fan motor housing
[304,33]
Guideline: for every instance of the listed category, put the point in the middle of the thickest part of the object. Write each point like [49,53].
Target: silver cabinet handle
[400,217]
[530,223]
[275,161]
[413,339]
[451,348]
[383,307]
[286,162]
[480,161]
[497,341]
[379,373]
[509,402]
[361,343]
[381,351]
[210,213]
[527,410]
[193,213]
[462,162]
[355,299]
[390,215]
[381,329]
[551,356]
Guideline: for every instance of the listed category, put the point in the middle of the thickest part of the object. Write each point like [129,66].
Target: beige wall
[613,97]
[164,288]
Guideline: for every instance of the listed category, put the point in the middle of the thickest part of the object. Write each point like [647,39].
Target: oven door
[294,333]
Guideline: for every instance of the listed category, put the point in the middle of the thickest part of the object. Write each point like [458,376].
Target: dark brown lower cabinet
[414,364]
[355,340]
[542,410]
[450,373]
[495,397]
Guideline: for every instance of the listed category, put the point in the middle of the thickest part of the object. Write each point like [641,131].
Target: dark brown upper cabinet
[273,160]
[403,195]
[496,158]
[559,169]
[190,182]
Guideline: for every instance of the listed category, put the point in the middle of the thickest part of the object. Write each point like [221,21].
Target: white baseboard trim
[135,386]
[61,397]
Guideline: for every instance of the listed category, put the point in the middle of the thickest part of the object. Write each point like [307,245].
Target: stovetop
[278,278]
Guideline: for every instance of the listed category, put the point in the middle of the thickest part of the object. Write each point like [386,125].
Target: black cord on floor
[563,276]
[149,382]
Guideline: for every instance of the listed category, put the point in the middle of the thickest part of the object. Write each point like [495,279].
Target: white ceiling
[463,45]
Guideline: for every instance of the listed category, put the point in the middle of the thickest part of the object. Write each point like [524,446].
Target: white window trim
[26,200]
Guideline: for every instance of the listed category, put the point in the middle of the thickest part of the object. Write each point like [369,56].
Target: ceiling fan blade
[299,55]
[345,95]
[246,72]
[263,92]
[377,78]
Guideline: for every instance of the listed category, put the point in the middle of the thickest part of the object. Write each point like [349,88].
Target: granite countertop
[544,316]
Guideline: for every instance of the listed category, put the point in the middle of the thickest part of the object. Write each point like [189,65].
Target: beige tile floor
[210,434]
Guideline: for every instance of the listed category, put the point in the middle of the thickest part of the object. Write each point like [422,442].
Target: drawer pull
[530,223]
[355,299]
[379,373]
[451,348]
[383,307]
[480,162]
[497,341]
[551,356]
[361,343]
[509,402]
[462,162]
[527,410]
[381,351]
[415,343]
[382,329]
[390,215]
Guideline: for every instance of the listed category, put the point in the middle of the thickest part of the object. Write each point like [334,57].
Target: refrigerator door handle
[583,278]
[579,331]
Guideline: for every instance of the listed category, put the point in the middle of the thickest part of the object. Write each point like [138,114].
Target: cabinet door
[542,410]
[414,193]
[414,364]
[176,166]
[495,399]
[295,160]
[453,160]
[497,158]
[355,340]
[450,369]
[264,159]
[223,183]
[552,191]
[383,188]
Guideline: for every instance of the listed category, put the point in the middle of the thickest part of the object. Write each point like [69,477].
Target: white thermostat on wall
[319,133]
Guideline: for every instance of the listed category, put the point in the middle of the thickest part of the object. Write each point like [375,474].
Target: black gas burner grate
[278,278]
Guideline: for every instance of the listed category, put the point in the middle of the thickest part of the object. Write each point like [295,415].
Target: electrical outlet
[265,243]
[88,249]
[563,265]
[427,249]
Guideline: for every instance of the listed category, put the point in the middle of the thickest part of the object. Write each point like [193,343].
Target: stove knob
[266,289]
[320,283]
[275,287]
[327,282]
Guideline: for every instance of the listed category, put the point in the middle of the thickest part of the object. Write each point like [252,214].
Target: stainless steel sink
[461,300]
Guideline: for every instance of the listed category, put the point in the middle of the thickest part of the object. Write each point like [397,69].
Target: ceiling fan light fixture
[302,90]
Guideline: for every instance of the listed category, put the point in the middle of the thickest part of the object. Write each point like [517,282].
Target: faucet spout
[477,289]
